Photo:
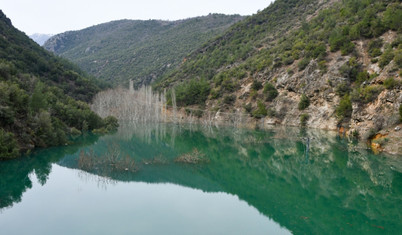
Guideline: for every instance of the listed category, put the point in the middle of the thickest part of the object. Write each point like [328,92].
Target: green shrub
[362,77]
[228,85]
[261,110]
[342,89]
[347,48]
[111,123]
[288,61]
[38,98]
[303,119]
[374,47]
[303,63]
[74,132]
[400,112]
[350,69]
[270,91]
[393,17]
[344,108]
[215,94]
[366,94]
[304,102]
[337,40]
[229,99]
[398,58]
[8,145]
[386,57]
[390,83]
[192,92]
[322,65]
[256,85]
[248,107]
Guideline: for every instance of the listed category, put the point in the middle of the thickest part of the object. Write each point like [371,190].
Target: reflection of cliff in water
[336,186]
[15,174]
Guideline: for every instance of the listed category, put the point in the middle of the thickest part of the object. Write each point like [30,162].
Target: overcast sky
[55,16]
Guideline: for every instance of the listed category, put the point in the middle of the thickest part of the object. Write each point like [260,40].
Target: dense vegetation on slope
[296,32]
[41,96]
[138,50]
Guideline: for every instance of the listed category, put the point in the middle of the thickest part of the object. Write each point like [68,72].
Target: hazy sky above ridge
[53,16]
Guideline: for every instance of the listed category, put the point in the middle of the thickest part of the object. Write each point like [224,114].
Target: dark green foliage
[362,77]
[303,119]
[228,85]
[270,92]
[337,40]
[35,107]
[38,99]
[111,123]
[248,108]
[257,85]
[390,83]
[347,48]
[386,57]
[374,47]
[344,109]
[400,112]
[393,17]
[322,65]
[342,89]
[260,111]
[193,92]
[350,69]
[229,99]
[304,102]
[8,145]
[398,58]
[303,63]
[25,56]
[366,94]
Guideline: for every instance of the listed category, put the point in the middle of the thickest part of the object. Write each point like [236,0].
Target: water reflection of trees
[337,183]
[15,175]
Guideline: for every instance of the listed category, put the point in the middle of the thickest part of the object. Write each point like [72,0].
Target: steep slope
[325,64]
[140,50]
[40,38]
[38,96]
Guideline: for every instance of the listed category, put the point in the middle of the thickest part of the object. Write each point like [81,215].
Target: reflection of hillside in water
[15,174]
[336,186]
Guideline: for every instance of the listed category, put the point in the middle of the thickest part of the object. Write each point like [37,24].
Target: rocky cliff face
[378,116]
[367,119]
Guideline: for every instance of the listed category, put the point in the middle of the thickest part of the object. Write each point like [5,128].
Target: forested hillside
[140,50]
[42,97]
[321,63]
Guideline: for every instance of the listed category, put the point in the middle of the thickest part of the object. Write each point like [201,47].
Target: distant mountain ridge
[140,50]
[40,38]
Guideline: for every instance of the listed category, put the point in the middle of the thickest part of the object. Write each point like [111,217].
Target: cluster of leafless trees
[141,105]
[145,106]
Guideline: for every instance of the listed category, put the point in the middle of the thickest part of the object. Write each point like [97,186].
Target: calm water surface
[279,181]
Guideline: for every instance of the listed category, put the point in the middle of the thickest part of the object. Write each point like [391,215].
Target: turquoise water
[231,181]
